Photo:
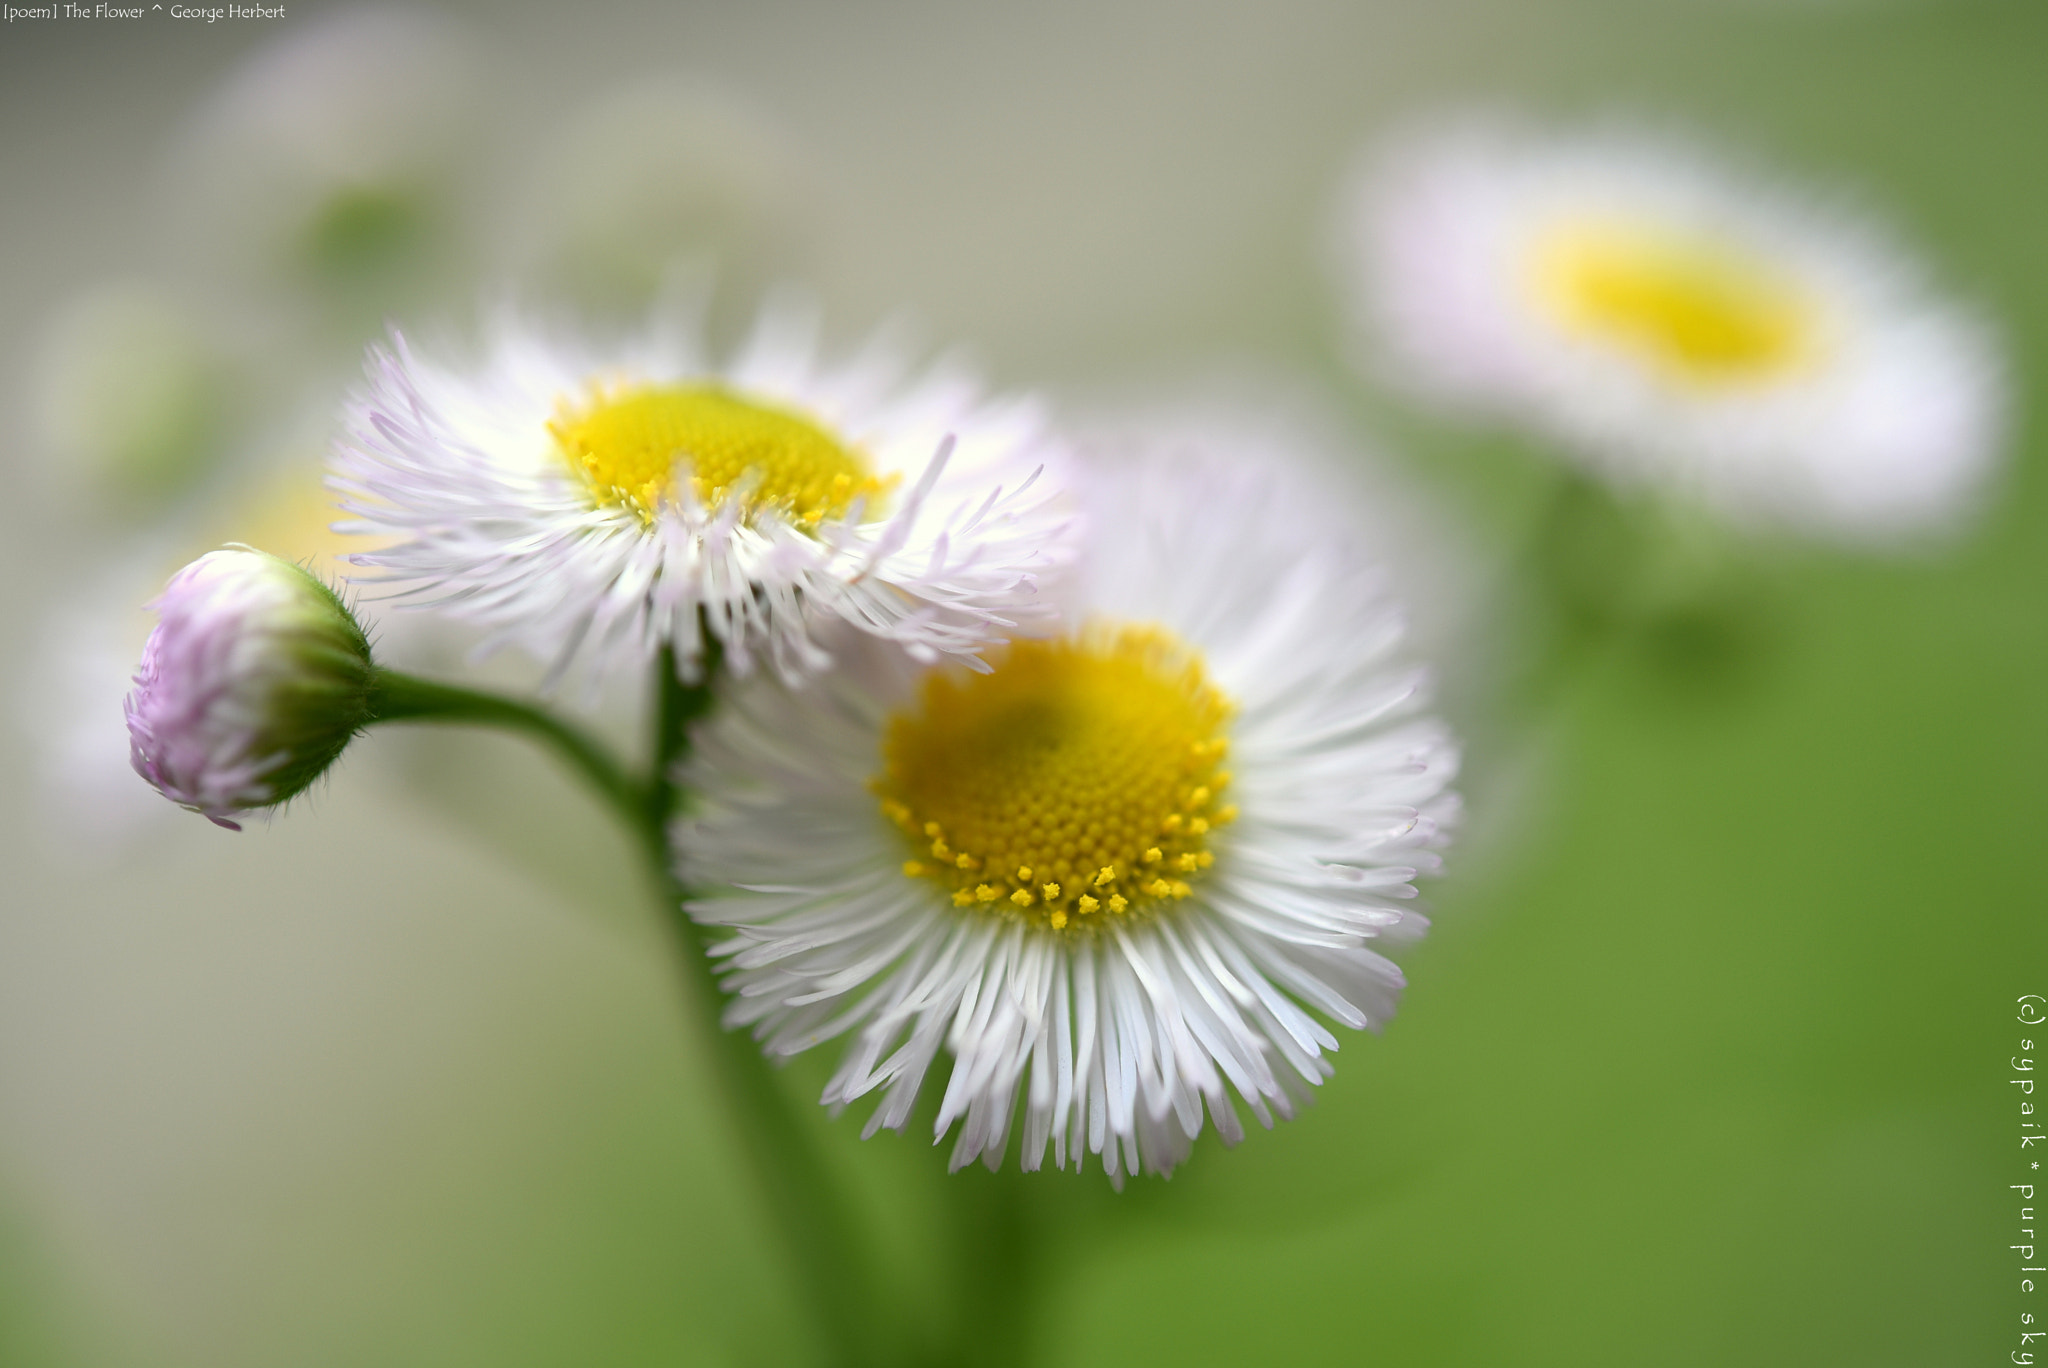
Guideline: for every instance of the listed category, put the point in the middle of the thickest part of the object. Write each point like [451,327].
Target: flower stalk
[803,1199]
[396,697]
[804,1202]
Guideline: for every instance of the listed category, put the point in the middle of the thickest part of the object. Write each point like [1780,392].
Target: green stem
[803,1199]
[801,1194]
[1552,601]
[396,697]
[996,1275]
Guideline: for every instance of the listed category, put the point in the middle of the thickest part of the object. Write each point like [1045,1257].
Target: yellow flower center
[632,445]
[1077,782]
[1701,309]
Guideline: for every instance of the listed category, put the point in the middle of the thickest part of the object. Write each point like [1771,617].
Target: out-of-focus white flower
[1674,323]
[659,173]
[585,501]
[131,393]
[1268,420]
[254,681]
[1119,875]
[335,156]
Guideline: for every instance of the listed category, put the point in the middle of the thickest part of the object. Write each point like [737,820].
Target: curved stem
[803,1199]
[396,697]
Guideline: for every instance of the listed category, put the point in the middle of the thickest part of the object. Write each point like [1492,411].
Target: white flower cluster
[1039,777]
[1104,780]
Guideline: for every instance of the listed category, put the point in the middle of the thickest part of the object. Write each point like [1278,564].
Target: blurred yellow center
[633,446]
[1076,782]
[1701,309]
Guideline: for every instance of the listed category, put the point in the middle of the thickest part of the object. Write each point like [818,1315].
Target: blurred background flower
[338,169]
[401,1078]
[132,395]
[1674,324]
[660,172]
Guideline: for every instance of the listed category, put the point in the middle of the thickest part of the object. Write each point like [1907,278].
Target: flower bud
[251,685]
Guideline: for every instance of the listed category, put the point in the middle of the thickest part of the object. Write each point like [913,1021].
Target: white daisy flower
[1672,322]
[583,502]
[1131,870]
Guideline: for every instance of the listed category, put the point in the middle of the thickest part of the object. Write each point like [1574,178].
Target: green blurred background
[1703,1063]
